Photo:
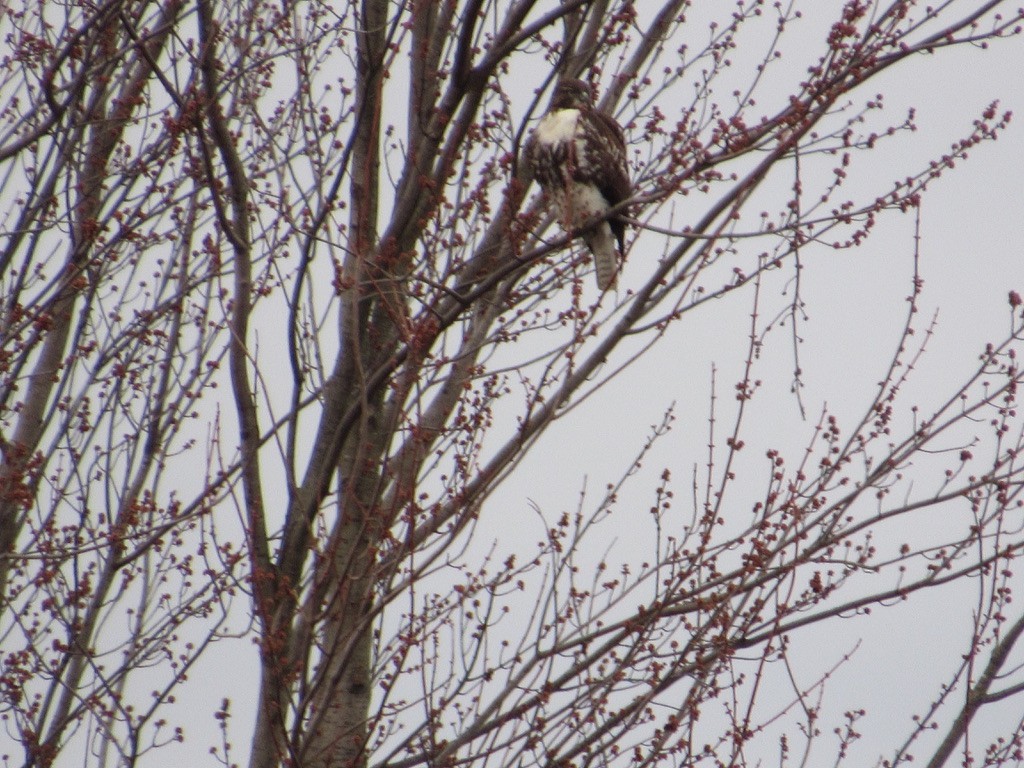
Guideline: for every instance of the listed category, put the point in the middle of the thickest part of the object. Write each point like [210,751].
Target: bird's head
[572,94]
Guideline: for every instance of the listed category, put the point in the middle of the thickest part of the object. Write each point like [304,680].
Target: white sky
[972,231]
[972,235]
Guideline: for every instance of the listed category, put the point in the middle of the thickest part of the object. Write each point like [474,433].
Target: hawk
[578,154]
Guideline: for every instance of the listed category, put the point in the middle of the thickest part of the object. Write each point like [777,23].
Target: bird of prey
[578,155]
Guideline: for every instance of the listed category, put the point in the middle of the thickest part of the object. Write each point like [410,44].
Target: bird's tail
[601,243]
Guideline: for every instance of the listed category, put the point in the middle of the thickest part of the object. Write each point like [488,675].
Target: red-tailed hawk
[578,154]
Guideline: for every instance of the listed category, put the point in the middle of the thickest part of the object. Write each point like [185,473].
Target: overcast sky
[855,301]
[972,231]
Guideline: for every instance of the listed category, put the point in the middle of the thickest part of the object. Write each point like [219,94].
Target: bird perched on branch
[578,154]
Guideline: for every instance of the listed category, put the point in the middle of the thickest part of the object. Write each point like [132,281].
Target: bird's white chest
[558,127]
[560,132]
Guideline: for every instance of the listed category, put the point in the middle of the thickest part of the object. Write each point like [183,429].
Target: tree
[282,312]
